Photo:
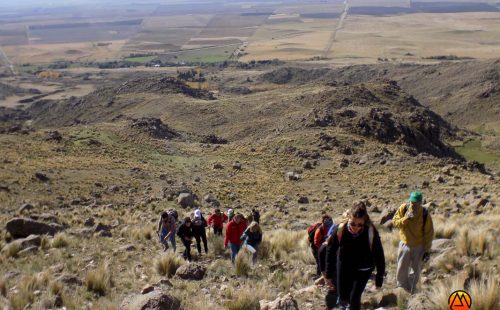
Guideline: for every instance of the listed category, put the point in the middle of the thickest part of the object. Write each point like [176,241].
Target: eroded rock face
[154,127]
[154,300]
[23,227]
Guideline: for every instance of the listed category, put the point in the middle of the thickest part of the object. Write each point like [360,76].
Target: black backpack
[311,231]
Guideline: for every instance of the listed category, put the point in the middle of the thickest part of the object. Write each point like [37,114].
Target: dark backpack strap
[426,213]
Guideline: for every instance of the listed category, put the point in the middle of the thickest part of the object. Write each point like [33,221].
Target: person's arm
[226,235]
[159,226]
[318,237]
[379,259]
[428,233]
[210,219]
[400,220]
[331,258]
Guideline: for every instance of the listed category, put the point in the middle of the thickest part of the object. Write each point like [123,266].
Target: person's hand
[426,257]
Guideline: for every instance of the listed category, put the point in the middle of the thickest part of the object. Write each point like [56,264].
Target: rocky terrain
[83,181]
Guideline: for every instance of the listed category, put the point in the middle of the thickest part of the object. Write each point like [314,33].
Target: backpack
[311,231]
[173,213]
[371,233]
[197,222]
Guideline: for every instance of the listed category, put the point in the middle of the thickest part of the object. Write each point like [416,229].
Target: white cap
[197,213]
[230,211]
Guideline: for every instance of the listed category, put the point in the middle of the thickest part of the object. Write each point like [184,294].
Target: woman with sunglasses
[354,249]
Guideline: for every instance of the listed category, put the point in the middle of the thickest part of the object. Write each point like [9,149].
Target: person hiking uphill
[353,251]
[216,220]
[253,237]
[186,235]
[416,232]
[230,214]
[317,235]
[166,230]
[234,230]
[199,224]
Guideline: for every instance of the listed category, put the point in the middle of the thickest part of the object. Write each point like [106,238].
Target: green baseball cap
[415,197]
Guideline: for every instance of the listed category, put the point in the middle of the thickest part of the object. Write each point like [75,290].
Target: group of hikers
[238,231]
[346,253]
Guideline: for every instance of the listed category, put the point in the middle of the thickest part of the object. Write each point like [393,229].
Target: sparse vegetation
[98,280]
[168,264]
[60,241]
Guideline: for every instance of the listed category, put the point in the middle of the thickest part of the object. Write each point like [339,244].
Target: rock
[53,136]
[191,272]
[105,233]
[439,179]
[285,303]
[23,227]
[387,214]
[127,248]
[217,166]
[481,203]
[70,280]
[154,127]
[28,251]
[211,200]
[102,227]
[31,240]
[89,222]
[41,177]
[155,300]
[303,199]
[213,139]
[186,200]
[292,176]
[147,289]
[344,163]
[25,207]
[388,300]
[164,282]
[237,165]
[306,164]
[441,245]
[425,184]
[114,189]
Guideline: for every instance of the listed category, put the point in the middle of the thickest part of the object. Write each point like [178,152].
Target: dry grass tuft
[56,287]
[245,300]
[45,242]
[3,287]
[216,244]
[12,249]
[485,291]
[242,264]
[168,264]
[475,242]
[98,280]
[60,241]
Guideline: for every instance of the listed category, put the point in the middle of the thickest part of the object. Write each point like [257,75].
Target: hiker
[256,215]
[252,237]
[216,220]
[234,230]
[166,230]
[230,214]
[198,224]
[354,249]
[416,232]
[186,235]
[317,235]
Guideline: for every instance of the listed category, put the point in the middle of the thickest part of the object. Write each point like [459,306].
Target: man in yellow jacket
[416,232]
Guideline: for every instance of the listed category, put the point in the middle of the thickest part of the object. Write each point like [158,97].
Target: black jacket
[354,253]
[198,226]
[252,238]
[185,231]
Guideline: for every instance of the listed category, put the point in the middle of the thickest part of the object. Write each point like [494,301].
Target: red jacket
[234,232]
[217,221]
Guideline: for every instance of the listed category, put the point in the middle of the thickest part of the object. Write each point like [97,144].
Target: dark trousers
[316,258]
[187,251]
[351,286]
[218,231]
[199,236]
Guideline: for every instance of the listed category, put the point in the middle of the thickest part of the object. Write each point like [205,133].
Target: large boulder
[23,227]
[387,214]
[186,200]
[155,300]
[31,240]
[191,272]
[285,303]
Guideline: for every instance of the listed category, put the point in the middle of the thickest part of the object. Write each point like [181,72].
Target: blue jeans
[171,239]
[235,248]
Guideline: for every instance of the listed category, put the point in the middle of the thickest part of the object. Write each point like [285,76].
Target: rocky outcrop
[154,300]
[154,127]
[23,227]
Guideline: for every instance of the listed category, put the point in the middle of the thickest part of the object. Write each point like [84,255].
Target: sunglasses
[356,224]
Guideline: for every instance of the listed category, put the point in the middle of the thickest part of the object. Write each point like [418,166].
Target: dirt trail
[339,26]
[4,60]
